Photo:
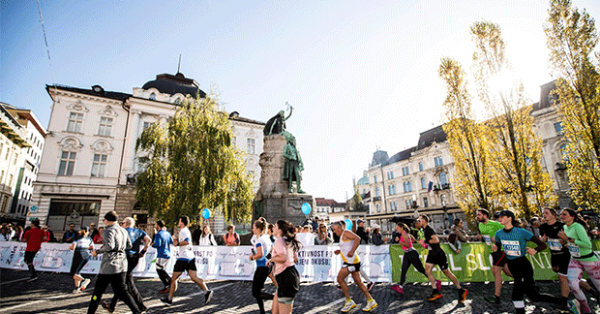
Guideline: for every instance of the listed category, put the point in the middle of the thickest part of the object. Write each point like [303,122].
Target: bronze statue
[276,125]
[293,163]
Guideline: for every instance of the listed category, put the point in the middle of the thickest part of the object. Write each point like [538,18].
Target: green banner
[472,263]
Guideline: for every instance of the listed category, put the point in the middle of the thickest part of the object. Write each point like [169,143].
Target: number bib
[574,249]
[555,244]
[511,248]
[487,239]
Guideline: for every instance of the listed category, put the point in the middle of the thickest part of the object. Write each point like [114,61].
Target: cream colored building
[89,164]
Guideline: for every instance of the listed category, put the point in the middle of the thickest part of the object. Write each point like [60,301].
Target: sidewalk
[51,293]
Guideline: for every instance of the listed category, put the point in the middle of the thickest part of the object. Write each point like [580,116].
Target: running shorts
[29,256]
[288,282]
[78,263]
[352,267]
[499,258]
[181,266]
[438,259]
[562,262]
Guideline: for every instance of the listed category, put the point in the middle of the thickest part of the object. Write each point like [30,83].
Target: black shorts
[29,256]
[352,267]
[181,266]
[499,258]
[288,282]
[438,259]
[78,263]
[562,262]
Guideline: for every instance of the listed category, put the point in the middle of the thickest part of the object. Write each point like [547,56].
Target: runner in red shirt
[34,238]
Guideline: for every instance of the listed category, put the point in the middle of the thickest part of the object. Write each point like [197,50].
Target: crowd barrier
[316,263]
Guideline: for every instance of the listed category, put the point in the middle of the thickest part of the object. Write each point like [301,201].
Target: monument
[280,195]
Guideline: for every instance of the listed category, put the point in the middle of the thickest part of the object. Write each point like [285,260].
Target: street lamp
[446,222]
[414,205]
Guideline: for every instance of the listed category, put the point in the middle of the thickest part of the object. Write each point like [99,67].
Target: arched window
[153,96]
[423,183]
[177,101]
[443,179]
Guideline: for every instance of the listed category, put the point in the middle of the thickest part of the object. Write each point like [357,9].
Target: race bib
[487,239]
[573,249]
[555,244]
[351,268]
[511,248]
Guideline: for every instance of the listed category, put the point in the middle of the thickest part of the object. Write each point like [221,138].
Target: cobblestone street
[52,294]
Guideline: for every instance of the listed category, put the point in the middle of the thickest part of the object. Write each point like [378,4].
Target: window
[177,101]
[425,202]
[408,204]
[558,127]
[405,171]
[7,153]
[393,206]
[146,125]
[1,146]
[75,122]
[378,208]
[153,96]
[438,161]
[420,166]
[443,179]
[390,175]
[10,180]
[99,165]
[376,192]
[444,199]
[407,187]
[423,183]
[251,146]
[105,126]
[67,163]
[375,179]
[392,189]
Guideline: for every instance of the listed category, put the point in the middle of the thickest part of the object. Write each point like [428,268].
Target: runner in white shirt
[186,261]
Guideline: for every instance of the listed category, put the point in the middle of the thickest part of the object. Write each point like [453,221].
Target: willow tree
[468,141]
[191,164]
[515,148]
[572,39]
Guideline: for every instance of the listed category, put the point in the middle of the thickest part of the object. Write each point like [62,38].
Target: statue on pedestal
[293,163]
[276,125]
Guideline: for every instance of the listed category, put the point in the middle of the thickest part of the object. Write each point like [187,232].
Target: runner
[34,238]
[437,256]
[583,258]
[411,256]
[349,242]
[284,256]
[262,245]
[81,256]
[368,282]
[162,243]
[513,241]
[186,262]
[487,231]
[137,237]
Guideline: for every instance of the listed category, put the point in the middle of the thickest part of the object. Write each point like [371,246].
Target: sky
[360,75]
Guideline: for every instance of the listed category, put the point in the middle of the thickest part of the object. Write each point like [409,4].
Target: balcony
[445,186]
[376,198]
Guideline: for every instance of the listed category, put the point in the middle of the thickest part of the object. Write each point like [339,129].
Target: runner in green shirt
[487,230]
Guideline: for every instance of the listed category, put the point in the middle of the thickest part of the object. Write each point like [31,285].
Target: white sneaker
[370,306]
[84,284]
[348,306]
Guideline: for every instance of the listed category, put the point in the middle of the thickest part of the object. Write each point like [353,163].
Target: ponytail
[287,232]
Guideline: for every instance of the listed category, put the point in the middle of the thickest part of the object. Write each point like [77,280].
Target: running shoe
[76,291]
[165,290]
[107,307]
[32,278]
[370,285]
[574,306]
[561,307]
[434,296]
[84,284]
[492,299]
[208,296]
[438,285]
[166,299]
[348,306]
[462,295]
[370,306]
[398,288]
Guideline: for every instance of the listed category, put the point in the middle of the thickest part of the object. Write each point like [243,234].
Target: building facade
[89,165]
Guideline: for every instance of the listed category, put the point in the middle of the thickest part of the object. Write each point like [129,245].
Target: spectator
[71,235]
[592,229]
[231,238]
[98,236]
[93,231]
[11,230]
[270,233]
[377,237]
[535,226]
[322,237]
[198,232]
[4,234]
[459,230]
[361,232]
[315,224]
[49,234]
[207,237]
[19,234]
[454,243]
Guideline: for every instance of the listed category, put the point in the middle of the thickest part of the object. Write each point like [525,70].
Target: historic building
[15,147]
[326,208]
[89,164]
[414,181]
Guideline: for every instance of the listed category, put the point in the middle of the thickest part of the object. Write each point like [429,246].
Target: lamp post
[446,222]
[414,205]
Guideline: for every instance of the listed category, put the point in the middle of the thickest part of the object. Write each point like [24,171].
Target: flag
[430,186]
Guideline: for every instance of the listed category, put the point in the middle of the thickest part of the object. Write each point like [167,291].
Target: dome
[173,84]
[363,181]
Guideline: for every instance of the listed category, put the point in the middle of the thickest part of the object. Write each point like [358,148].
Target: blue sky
[359,74]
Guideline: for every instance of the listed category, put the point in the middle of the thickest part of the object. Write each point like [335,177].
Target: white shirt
[208,239]
[186,252]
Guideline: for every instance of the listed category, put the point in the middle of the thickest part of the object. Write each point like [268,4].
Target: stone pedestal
[273,200]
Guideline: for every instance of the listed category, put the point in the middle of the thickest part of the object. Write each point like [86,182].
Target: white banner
[315,263]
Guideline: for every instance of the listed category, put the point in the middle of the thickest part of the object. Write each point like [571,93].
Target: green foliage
[572,39]
[192,164]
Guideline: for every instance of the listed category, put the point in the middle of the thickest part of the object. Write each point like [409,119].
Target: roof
[173,84]
[545,96]
[363,181]
[403,155]
[379,157]
[327,202]
[102,93]
[236,117]
[427,138]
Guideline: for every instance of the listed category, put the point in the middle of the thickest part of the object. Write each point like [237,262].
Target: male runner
[186,262]
[34,238]
[487,231]
[162,243]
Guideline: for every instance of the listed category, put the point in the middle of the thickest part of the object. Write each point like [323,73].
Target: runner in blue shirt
[513,241]
[162,243]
